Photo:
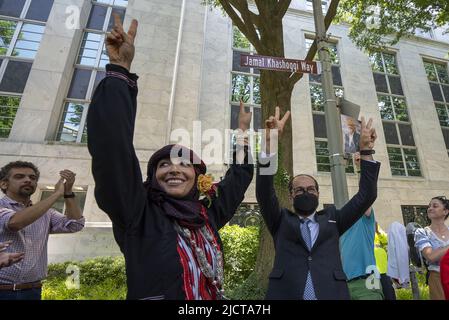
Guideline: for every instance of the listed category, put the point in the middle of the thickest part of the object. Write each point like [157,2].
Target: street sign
[280,64]
[348,108]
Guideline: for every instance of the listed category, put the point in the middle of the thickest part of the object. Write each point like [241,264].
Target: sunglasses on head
[444,200]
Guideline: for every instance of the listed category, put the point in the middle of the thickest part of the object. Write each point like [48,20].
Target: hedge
[104,278]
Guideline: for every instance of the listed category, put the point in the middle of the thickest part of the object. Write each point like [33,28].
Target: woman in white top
[433,242]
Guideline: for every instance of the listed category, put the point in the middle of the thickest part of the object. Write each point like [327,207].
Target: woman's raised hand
[120,45]
[244,118]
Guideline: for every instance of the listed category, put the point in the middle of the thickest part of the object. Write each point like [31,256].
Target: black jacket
[145,235]
[292,258]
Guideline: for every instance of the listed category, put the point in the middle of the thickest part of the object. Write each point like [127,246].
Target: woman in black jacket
[168,236]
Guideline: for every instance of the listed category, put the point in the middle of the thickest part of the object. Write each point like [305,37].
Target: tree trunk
[275,91]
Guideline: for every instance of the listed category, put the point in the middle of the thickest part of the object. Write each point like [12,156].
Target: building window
[8,110]
[22,25]
[20,39]
[402,151]
[80,197]
[324,4]
[416,214]
[89,70]
[319,121]
[425,33]
[246,215]
[245,85]
[439,85]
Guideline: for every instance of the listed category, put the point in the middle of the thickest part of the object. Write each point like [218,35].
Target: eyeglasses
[301,190]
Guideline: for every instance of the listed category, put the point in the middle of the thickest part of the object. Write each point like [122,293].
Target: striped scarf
[197,286]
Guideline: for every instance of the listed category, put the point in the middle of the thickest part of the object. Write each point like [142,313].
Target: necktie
[309,291]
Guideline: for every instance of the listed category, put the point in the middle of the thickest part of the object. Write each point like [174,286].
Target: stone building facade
[187,59]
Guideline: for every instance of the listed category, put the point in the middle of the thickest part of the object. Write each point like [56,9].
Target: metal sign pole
[332,114]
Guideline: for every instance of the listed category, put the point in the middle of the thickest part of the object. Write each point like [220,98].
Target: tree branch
[282,7]
[330,15]
[262,7]
[248,18]
[255,19]
[244,22]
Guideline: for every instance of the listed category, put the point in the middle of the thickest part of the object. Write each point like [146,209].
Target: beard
[27,190]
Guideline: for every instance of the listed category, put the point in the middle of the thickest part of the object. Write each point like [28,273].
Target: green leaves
[8,110]
[240,247]
[105,278]
[100,279]
[379,23]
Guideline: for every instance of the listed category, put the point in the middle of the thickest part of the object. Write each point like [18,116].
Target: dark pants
[29,294]
[387,287]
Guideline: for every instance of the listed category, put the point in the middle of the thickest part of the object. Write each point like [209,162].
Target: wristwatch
[67,196]
[367,152]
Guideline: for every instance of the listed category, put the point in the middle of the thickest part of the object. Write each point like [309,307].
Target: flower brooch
[207,187]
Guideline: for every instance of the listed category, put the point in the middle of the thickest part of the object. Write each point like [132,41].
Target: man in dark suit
[307,263]
[351,137]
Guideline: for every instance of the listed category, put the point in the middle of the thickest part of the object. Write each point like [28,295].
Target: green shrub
[407,294]
[100,279]
[93,271]
[104,278]
[250,289]
[240,247]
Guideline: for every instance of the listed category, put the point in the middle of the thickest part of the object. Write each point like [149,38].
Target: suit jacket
[292,258]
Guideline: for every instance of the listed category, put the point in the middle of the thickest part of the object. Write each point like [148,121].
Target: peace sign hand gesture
[120,45]
[367,135]
[275,122]
[244,118]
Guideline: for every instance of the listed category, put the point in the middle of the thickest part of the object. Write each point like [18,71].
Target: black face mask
[305,204]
